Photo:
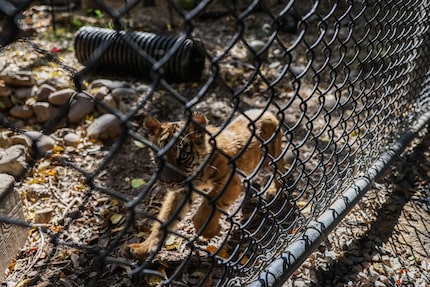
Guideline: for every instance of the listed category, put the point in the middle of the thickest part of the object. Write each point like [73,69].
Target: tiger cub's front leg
[166,220]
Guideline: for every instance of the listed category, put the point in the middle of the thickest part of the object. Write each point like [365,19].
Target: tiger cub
[210,154]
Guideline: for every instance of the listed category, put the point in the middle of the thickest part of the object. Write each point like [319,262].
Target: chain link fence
[225,129]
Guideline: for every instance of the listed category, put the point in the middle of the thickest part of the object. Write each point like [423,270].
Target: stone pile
[30,102]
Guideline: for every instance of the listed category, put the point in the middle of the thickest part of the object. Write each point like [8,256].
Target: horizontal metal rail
[281,268]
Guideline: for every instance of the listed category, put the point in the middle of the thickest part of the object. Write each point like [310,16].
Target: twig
[51,189]
[66,210]
[36,257]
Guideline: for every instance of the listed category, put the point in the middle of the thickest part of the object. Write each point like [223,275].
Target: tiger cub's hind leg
[207,218]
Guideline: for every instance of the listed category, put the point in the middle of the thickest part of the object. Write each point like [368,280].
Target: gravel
[385,240]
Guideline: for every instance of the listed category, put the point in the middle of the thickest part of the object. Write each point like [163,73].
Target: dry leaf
[223,253]
[118,229]
[57,149]
[173,243]
[116,218]
[211,248]
[244,259]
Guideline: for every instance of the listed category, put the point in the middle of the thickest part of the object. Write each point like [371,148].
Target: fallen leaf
[223,253]
[173,243]
[139,144]
[137,182]
[244,259]
[116,218]
[58,149]
[55,228]
[211,248]
[52,172]
[118,229]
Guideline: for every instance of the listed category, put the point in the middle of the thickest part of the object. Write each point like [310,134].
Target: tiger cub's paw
[141,250]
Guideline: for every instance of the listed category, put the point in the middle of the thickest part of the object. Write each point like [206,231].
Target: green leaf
[139,144]
[137,182]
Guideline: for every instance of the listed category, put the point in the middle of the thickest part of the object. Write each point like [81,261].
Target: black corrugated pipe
[141,54]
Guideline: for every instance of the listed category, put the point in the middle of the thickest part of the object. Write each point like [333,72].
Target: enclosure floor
[385,240]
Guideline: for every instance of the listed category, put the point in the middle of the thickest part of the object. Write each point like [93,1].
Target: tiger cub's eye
[184,156]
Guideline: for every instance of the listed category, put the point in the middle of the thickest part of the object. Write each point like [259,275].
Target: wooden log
[12,237]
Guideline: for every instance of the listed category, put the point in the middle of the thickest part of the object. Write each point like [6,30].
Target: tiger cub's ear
[199,121]
[152,126]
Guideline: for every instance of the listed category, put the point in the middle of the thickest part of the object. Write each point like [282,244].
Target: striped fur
[246,143]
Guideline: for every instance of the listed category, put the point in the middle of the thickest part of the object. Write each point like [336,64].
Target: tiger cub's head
[182,144]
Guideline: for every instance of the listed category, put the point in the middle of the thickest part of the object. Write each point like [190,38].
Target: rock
[19,79]
[5,103]
[109,101]
[109,84]
[24,93]
[346,261]
[81,106]
[71,139]
[43,143]
[45,90]
[121,93]
[13,160]
[100,93]
[4,139]
[5,91]
[143,88]
[356,259]
[61,97]
[125,97]
[106,126]
[44,111]
[356,269]
[21,112]
[100,83]
[255,47]
[219,109]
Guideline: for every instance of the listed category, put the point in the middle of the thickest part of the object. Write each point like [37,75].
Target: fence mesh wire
[342,79]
